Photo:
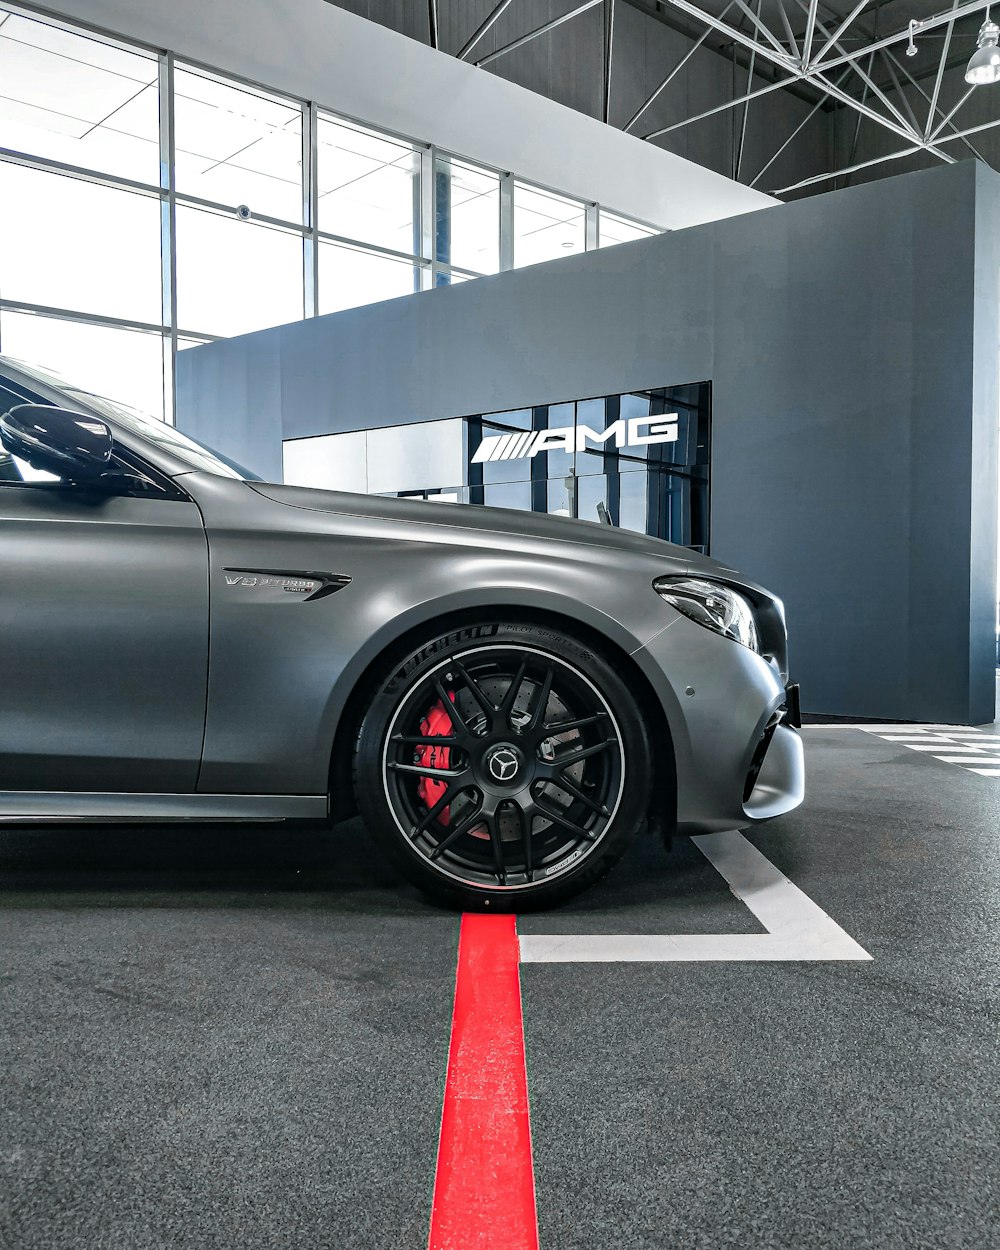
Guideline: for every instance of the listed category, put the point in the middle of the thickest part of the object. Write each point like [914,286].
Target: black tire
[467,794]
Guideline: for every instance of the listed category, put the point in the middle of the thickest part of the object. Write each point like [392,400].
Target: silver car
[505,696]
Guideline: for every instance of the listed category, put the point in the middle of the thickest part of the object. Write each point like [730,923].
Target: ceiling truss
[798,45]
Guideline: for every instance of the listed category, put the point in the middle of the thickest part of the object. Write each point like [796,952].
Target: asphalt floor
[216,1037]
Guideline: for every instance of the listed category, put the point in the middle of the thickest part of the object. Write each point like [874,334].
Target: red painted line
[484,1190]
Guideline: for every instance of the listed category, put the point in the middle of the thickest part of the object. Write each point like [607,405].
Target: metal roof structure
[896,66]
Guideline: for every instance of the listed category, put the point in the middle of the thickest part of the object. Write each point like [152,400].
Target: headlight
[713,605]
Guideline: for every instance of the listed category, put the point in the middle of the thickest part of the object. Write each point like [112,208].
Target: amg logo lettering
[635,432]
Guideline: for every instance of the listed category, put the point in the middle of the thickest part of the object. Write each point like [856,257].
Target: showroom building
[243,206]
[449,316]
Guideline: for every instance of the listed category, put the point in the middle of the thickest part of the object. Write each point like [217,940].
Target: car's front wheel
[502,766]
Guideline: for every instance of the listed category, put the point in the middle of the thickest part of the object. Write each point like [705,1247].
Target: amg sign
[635,432]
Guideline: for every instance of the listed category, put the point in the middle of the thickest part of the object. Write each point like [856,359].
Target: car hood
[506,525]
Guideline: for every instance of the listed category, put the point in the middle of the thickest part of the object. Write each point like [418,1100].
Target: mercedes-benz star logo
[503,764]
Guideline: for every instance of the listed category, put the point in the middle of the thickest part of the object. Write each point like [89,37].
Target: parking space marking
[967,748]
[484,1187]
[797,929]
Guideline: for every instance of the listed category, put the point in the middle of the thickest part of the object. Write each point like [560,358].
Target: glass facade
[546,225]
[147,206]
[642,460]
[617,229]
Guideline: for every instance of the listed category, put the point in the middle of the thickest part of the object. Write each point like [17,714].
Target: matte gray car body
[153,669]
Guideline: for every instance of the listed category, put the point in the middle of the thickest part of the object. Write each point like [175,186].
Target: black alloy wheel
[503,767]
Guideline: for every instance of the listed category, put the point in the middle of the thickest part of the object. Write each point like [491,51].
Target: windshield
[171,440]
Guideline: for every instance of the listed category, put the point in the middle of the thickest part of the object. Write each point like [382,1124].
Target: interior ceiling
[884,104]
[856,55]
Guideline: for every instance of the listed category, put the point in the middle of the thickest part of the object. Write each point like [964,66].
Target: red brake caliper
[436,724]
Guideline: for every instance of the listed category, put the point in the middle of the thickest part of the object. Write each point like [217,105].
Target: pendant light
[984,67]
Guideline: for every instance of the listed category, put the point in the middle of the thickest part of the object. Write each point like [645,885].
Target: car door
[103,634]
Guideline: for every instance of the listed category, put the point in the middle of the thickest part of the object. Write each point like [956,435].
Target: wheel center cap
[504,763]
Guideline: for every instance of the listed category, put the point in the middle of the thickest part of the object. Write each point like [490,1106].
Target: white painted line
[797,928]
[911,738]
[981,757]
[930,746]
[918,744]
[985,772]
[870,727]
[963,748]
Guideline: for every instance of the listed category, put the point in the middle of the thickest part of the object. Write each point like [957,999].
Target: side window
[127,474]
[9,472]
[125,477]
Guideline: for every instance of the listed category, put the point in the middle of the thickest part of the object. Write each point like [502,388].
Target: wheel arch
[663,801]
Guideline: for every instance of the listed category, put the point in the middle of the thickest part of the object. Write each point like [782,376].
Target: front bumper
[733,727]
[778,785]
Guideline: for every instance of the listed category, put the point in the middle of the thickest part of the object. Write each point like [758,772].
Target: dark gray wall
[852,341]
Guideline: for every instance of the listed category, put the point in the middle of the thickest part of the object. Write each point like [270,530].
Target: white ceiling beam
[912,130]
[487,24]
[793,43]
[831,40]
[939,19]
[801,126]
[939,112]
[761,28]
[816,73]
[539,30]
[783,59]
[721,108]
[941,125]
[971,130]
[850,169]
[673,73]
[807,38]
[940,75]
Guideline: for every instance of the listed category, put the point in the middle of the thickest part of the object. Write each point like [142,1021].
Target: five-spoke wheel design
[503,765]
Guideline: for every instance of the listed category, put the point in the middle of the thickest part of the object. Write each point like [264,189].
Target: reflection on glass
[590,456]
[632,501]
[652,477]
[125,365]
[560,464]
[660,488]
[506,467]
[561,496]
[467,226]
[429,454]
[350,276]
[546,225]
[457,494]
[77,245]
[73,99]
[234,276]
[509,495]
[590,491]
[368,186]
[237,146]
[327,462]
[615,229]
[424,458]
[445,277]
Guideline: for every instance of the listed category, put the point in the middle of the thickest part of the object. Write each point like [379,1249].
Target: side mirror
[74,446]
